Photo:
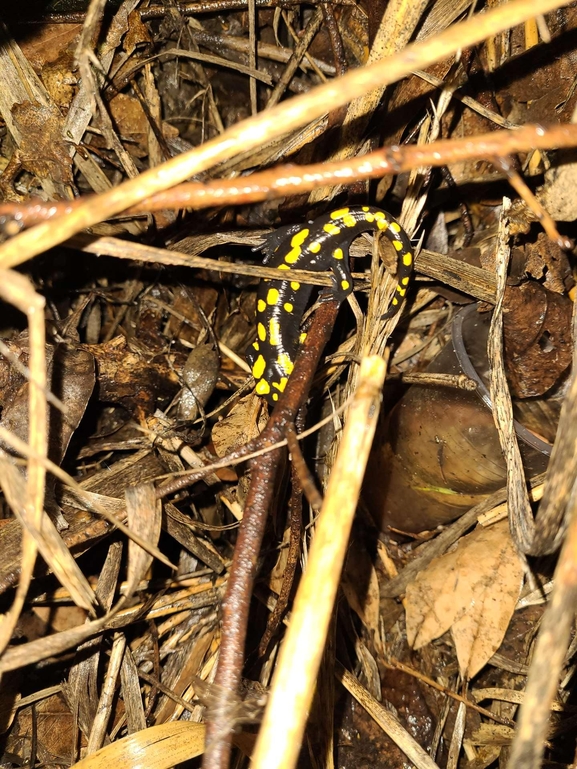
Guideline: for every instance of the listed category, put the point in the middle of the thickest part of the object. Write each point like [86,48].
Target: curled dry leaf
[471,591]
[159,747]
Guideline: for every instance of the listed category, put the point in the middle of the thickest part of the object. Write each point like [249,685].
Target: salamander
[319,245]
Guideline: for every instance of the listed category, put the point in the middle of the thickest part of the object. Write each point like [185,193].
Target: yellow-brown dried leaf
[471,591]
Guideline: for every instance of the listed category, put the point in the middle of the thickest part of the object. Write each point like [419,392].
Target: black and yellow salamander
[319,245]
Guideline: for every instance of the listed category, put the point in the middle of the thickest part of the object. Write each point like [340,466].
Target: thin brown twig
[295,507]
[544,217]
[290,180]
[307,482]
[549,654]
[272,124]
[398,665]
[239,590]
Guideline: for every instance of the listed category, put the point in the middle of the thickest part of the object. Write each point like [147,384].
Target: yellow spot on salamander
[272,296]
[262,387]
[294,285]
[261,305]
[407,260]
[293,255]
[395,300]
[288,307]
[315,247]
[285,363]
[338,253]
[401,291]
[302,337]
[332,229]
[366,208]
[340,213]
[280,385]
[275,396]
[299,238]
[397,244]
[382,223]
[395,227]
[405,281]
[370,218]
[345,285]
[259,367]
[283,267]
[261,331]
[274,332]
[349,221]
[256,346]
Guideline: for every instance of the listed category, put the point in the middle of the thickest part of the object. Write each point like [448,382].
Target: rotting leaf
[537,329]
[131,123]
[128,377]
[557,194]
[544,260]
[43,151]
[472,591]
[71,376]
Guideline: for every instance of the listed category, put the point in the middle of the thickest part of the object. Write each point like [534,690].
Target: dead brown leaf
[361,588]
[471,591]
[43,151]
[244,422]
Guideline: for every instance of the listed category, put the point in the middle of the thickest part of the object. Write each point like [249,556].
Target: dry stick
[552,643]
[271,124]
[301,482]
[335,38]
[292,179]
[396,665]
[51,646]
[395,29]
[306,480]
[17,290]
[183,9]
[464,277]
[520,513]
[219,6]
[252,55]
[386,720]
[295,508]
[279,740]
[301,47]
[541,214]
[562,468]
[236,604]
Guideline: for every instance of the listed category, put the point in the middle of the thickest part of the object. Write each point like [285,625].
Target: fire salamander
[319,245]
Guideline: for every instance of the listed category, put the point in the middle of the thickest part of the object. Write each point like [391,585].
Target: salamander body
[320,245]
